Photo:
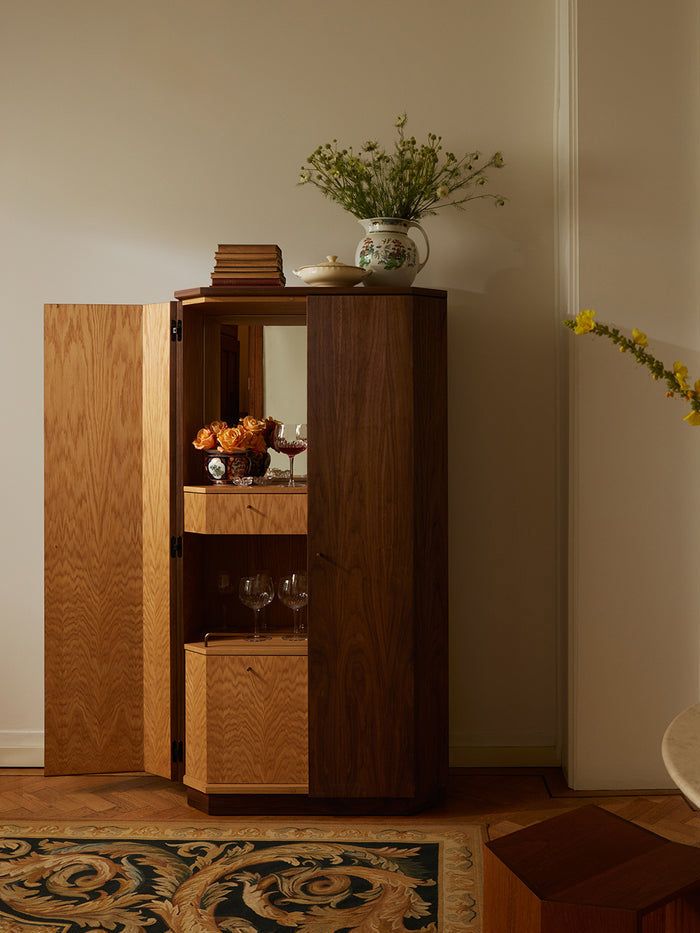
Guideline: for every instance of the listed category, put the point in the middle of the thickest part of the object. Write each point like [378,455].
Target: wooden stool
[590,871]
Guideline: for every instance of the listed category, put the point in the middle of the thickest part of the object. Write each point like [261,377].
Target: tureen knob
[332,258]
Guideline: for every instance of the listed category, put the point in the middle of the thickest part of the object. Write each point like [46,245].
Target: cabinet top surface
[240,646]
[290,292]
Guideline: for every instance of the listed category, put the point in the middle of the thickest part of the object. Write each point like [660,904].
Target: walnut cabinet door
[377,545]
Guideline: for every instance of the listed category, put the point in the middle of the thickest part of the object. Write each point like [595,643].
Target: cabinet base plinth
[303,805]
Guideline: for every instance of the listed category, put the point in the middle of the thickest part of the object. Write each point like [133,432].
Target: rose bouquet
[237,451]
[248,434]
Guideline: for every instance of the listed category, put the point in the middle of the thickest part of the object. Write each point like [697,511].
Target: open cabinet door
[159,526]
[107,539]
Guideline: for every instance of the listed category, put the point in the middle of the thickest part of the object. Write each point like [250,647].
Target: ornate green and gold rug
[133,877]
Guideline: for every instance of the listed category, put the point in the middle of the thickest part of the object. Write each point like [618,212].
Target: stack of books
[247,266]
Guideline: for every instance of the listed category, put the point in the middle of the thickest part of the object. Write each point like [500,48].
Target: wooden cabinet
[246,718]
[135,545]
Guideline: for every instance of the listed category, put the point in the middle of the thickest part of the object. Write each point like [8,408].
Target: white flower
[442,191]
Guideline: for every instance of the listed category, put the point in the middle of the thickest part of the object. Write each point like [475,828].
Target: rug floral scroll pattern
[249,880]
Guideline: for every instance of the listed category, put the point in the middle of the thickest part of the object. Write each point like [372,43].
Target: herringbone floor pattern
[502,800]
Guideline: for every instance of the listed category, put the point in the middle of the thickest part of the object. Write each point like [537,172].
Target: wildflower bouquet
[676,380]
[408,183]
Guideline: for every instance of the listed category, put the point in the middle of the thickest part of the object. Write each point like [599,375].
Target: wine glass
[293,591]
[256,592]
[290,439]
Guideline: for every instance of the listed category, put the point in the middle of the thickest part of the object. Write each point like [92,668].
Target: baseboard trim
[21,749]
[26,750]
[506,756]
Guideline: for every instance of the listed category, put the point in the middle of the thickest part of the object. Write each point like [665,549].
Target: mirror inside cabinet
[257,370]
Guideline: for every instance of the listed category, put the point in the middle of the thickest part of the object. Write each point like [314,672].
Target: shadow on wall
[503,514]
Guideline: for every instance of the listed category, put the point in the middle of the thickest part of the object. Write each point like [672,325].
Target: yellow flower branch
[676,380]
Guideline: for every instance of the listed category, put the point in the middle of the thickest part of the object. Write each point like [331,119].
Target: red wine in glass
[290,439]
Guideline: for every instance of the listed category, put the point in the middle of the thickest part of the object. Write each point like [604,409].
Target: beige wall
[138,135]
[635,594]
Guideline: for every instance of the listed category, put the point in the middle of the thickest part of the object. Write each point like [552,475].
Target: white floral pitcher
[387,251]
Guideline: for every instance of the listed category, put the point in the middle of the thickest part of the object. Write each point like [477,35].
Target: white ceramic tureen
[332,273]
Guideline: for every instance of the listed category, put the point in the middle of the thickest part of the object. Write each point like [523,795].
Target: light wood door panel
[251,513]
[255,726]
[93,539]
[157,563]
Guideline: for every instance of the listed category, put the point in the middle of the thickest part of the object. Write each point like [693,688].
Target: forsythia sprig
[676,380]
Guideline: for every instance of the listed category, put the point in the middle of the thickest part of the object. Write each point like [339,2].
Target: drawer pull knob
[250,670]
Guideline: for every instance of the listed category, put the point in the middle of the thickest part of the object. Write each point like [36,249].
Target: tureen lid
[330,263]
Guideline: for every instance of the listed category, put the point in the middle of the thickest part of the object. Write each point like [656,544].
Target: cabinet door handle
[250,670]
[322,555]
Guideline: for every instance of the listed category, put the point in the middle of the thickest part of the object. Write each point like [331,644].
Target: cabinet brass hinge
[176,547]
[176,329]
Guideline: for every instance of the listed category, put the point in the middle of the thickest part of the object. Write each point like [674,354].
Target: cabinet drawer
[252,513]
[246,723]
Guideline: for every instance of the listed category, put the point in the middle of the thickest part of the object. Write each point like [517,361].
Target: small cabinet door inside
[246,722]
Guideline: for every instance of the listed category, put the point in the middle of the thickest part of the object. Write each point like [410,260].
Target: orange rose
[232,439]
[205,440]
[269,430]
[257,443]
[216,427]
[252,424]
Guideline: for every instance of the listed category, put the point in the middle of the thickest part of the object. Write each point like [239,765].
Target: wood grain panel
[430,557]
[240,645]
[583,918]
[196,718]
[678,916]
[192,414]
[181,574]
[361,561]
[157,679]
[246,514]
[212,369]
[594,873]
[256,372]
[285,297]
[271,490]
[93,541]
[257,720]
[249,789]
[508,906]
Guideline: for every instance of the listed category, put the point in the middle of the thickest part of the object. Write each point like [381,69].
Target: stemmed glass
[290,439]
[256,592]
[293,591]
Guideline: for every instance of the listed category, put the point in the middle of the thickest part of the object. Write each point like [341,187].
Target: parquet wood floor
[502,800]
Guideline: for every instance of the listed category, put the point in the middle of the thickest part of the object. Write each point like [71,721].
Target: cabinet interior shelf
[240,646]
[246,490]
[246,510]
